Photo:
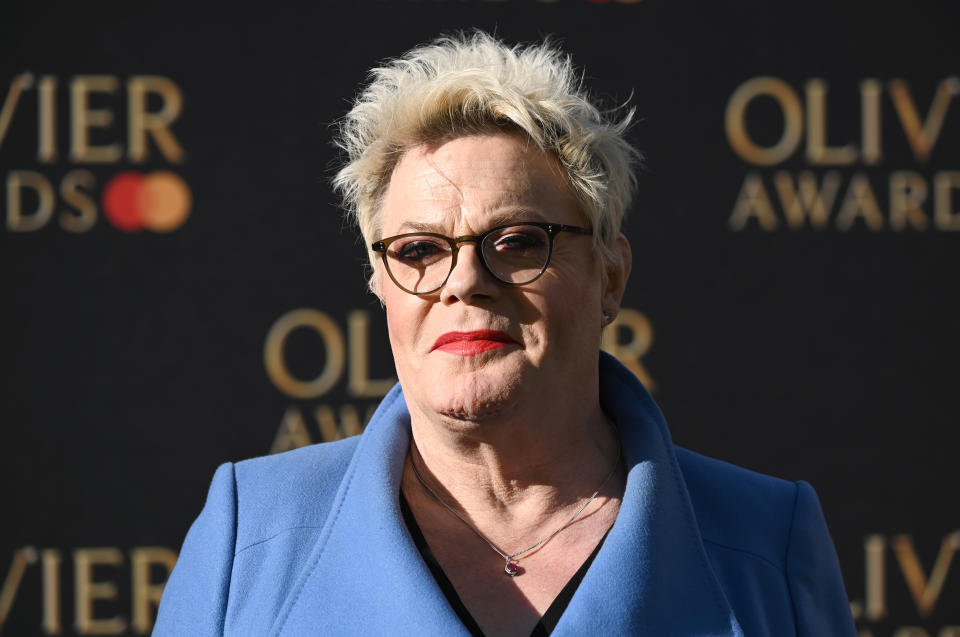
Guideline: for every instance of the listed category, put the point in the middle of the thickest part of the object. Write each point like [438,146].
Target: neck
[516,476]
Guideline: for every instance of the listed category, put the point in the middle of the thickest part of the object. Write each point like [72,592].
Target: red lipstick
[472,343]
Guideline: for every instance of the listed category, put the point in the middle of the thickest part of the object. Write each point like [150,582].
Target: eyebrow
[507,217]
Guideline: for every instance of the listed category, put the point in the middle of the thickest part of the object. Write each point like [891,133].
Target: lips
[472,343]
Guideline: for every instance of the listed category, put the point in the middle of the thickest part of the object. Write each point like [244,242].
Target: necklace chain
[511,567]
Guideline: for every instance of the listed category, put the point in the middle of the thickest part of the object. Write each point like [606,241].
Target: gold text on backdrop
[159,201]
[810,199]
[90,592]
[925,587]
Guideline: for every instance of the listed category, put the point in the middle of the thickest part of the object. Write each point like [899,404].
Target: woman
[517,481]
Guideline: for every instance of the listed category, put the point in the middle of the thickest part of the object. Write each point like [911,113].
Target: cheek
[404,323]
[400,345]
[377,279]
[573,312]
[397,327]
[563,323]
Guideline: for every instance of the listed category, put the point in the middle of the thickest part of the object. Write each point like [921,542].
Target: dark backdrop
[135,361]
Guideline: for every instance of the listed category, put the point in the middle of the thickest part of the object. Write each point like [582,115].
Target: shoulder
[288,490]
[739,509]
[251,539]
[767,540]
[312,463]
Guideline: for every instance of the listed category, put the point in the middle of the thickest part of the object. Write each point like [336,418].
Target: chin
[474,413]
[477,397]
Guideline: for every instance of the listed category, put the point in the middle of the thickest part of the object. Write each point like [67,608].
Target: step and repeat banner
[179,288]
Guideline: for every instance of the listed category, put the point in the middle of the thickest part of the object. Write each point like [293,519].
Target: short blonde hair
[473,84]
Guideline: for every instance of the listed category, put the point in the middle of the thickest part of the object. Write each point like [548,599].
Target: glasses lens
[517,254]
[419,263]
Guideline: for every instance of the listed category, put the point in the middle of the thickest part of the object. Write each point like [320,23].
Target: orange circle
[164,200]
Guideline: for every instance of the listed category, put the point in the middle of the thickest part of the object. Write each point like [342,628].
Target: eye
[418,251]
[520,240]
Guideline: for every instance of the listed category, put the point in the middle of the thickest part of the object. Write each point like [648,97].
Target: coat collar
[651,576]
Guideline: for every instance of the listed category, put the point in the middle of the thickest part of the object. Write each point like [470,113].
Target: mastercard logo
[159,201]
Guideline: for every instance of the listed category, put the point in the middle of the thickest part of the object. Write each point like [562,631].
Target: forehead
[471,183]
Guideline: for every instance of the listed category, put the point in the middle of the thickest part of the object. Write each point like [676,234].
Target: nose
[469,281]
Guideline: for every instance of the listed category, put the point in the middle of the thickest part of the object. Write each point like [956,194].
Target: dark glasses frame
[552,230]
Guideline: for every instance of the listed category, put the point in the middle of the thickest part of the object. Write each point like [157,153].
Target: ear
[616,273]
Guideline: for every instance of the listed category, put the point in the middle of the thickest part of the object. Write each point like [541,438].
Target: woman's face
[548,331]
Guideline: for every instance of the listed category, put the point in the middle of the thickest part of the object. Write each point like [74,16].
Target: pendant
[511,569]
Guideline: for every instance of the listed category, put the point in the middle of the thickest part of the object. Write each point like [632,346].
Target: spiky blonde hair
[472,83]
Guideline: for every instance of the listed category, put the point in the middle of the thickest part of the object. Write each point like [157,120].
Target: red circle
[121,201]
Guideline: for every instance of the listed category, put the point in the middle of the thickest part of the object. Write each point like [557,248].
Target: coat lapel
[365,576]
[652,575]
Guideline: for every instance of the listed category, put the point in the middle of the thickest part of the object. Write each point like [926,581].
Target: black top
[543,627]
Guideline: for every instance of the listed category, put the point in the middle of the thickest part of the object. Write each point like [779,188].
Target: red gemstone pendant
[511,569]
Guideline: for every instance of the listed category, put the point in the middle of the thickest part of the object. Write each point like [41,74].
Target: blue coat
[312,542]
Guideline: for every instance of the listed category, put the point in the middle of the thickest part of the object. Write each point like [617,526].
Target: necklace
[512,568]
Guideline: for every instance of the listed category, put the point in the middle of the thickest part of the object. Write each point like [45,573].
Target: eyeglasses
[515,254]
